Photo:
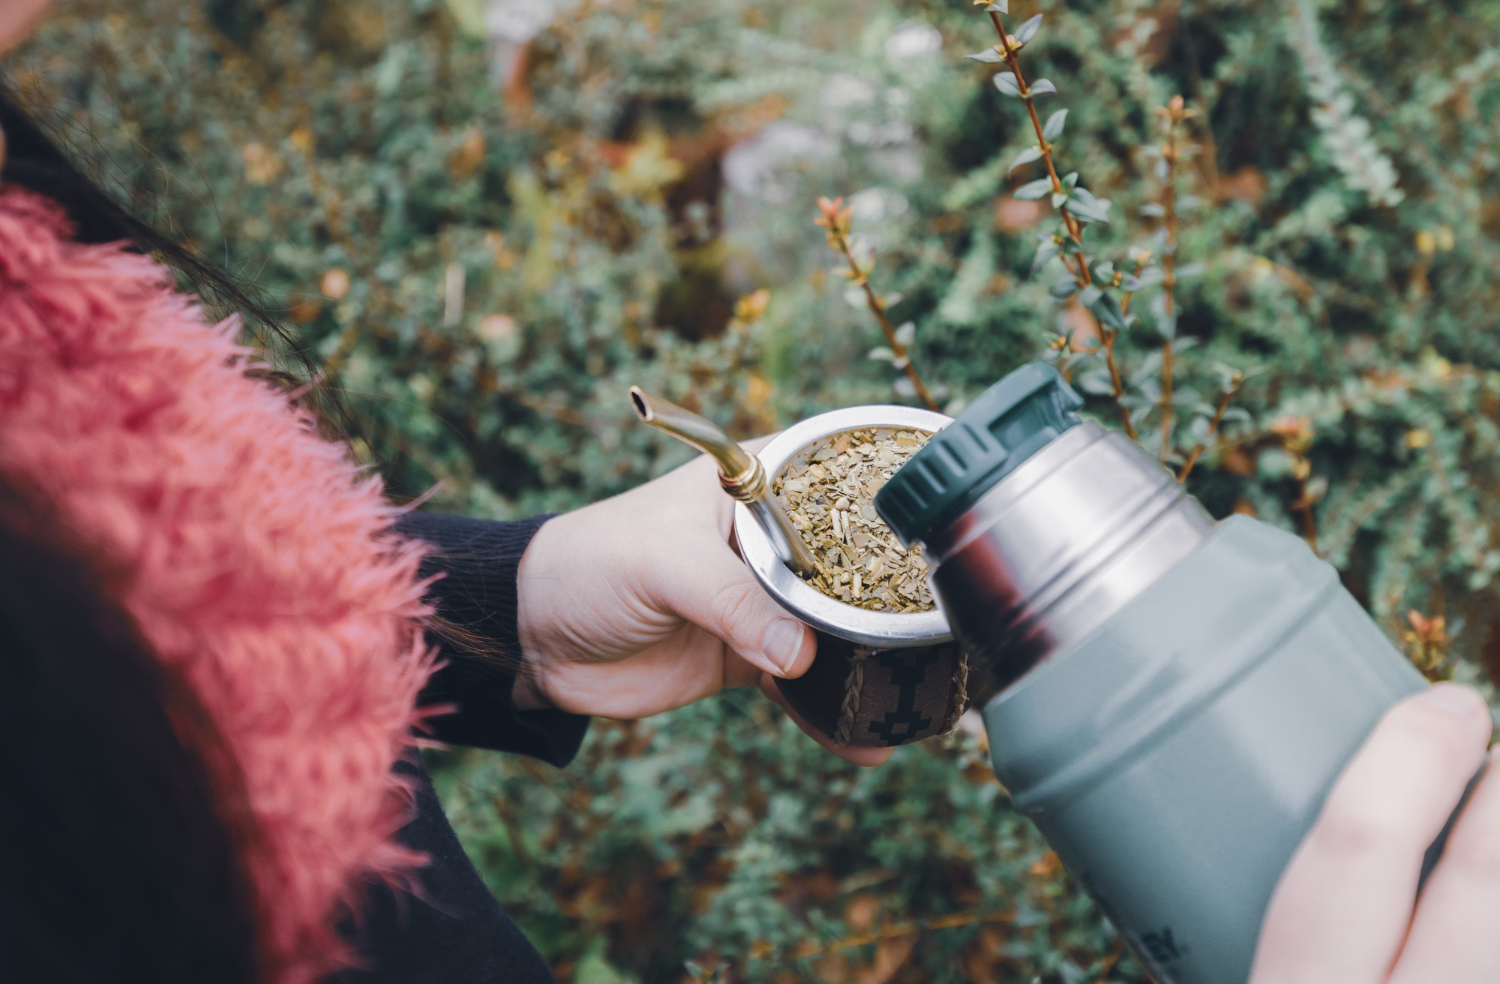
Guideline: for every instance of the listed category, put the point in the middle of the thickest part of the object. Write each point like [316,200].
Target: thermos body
[1175,758]
[1174,698]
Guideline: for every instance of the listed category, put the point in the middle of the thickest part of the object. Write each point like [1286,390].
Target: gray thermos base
[1175,758]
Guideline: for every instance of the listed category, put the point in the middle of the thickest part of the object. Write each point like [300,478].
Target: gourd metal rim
[877,630]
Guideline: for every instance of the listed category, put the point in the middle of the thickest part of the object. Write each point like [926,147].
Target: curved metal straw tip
[740,473]
[738,466]
[641,400]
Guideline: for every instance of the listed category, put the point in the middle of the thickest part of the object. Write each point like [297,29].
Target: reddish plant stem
[1169,270]
[1213,427]
[877,308]
[1303,506]
[1075,230]
[1166,402]
[1012,58]
[1140,265]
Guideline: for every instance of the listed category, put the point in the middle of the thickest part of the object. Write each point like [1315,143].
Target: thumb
[718,593]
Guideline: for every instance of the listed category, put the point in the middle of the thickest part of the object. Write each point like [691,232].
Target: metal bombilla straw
[740,473]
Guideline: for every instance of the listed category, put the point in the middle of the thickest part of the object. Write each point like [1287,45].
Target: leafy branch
[1104,292]
[1173,115]
[1428,645]
[1296,436]
[1077,207]
[836,217]
[1230,389]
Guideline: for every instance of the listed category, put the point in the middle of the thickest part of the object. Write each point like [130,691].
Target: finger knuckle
[1350,828]
[1476,850]
[1431,732]
[1474,845]
[733,605]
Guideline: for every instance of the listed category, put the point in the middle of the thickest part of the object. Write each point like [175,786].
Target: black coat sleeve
[477,561]
[453,931]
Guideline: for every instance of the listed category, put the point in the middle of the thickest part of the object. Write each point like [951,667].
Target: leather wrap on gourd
[859,696]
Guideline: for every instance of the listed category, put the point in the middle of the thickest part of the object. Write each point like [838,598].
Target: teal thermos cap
[1007,424]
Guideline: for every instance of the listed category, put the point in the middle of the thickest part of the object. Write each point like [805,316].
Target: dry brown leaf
[860,913]
[890,956]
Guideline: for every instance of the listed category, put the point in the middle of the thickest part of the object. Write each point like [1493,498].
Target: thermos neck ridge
[1038,525]
[1060,545]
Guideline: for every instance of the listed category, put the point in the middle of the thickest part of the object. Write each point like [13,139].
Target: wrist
[534,603]
[526,694]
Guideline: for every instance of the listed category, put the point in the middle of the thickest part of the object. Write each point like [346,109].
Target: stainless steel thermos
[1173,696]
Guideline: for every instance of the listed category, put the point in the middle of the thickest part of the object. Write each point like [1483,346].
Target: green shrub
[489,267]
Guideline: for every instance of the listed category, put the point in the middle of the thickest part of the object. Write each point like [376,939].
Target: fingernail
[1452,698]
[782,643]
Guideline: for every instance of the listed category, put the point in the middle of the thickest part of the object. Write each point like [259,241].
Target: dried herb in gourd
[829,493]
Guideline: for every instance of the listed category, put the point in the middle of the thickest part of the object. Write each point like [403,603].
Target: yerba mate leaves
[829,493]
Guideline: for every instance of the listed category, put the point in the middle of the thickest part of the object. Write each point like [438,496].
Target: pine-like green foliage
[488,275]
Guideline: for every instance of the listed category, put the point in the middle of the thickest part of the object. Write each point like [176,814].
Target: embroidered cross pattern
[906,673]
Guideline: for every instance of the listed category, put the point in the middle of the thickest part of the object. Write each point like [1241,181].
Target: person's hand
[1346,909]
[637,604]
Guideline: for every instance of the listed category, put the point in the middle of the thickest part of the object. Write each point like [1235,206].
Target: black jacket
[456,933]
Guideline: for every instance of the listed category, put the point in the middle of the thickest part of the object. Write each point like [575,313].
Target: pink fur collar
[258,556]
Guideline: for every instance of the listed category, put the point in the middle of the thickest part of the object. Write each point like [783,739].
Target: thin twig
[1213,426]
[1303,506]
[1142,260]
[1166,401]
[1174,113]
[1080,271]
[1075,229]
[1112,960]
[898,930]
[835,219]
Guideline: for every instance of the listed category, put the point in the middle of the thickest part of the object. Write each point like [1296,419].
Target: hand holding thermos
[1347,909]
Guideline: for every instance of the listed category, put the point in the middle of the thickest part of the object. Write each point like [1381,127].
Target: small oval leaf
[1150,277]
[1044,254]
[1026,156]
[1055,124]
[1028,30]
[1107,310]
[1095,382]
[1034,190]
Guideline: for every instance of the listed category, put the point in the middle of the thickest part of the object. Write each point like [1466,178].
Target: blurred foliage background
[489,217]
